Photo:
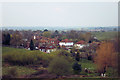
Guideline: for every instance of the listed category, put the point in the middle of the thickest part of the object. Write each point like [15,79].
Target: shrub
[62,53]
[24,57]
[60,66]
[90,57]
[77,68]
[77,57]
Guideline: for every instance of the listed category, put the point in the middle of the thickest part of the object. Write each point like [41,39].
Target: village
[48,45]
[77,50]
[59,40]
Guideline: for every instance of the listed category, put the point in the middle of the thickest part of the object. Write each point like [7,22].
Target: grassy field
[89,65]
[24,56]
[17,56]
[20,70]
[105,35]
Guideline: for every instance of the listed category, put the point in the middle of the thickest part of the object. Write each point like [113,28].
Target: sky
[90,14]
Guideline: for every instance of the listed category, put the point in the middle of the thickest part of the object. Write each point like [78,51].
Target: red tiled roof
[49,46]
[66,40]
[80,42]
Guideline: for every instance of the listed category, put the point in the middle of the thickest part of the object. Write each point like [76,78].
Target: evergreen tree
[45,30]
[89,57]
[31,45]
[77,57]
[77,68]
[6,39]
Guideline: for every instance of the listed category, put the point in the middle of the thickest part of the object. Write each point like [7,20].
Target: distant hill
[58,28]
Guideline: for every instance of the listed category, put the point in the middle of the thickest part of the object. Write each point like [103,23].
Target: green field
[21,70]
[16,56]
[105,35]
[26,58]
[89,65]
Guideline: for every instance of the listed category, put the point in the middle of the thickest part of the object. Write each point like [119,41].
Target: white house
[67,43]
[34,37]
[48,48]
[80,44]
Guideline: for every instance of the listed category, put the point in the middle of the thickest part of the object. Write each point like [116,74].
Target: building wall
[79,45]
[66,44]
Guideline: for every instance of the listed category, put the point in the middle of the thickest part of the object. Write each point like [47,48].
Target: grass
[23,56]
[105,35]
[89,65]
[17,58]
[14,61]
[21,70]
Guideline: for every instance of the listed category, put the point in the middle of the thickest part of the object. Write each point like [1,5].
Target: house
[80,44]
[44,44]
[66,43]
[47,48]
[53,41]
[28,45]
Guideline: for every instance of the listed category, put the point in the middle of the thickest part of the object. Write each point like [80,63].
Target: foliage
[87,36]
[73,50]
[72,34]
[63,53]
[77,68]
[55,34]
[91,48]
[47,34]
[111,72]
[45,30]
[90,57]
[16,71]
[16,39]
[24,57]
[106,56]
[60,66]
[77,57]
[32,45]
[6,39]
[12,72]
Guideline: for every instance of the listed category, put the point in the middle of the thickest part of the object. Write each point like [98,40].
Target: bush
[60,66]
[90,57]
[62,53]
[111,72]
[77,57]
[20,58]
[24,57]
[77,68]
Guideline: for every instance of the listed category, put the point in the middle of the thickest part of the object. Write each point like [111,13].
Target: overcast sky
[60,14]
